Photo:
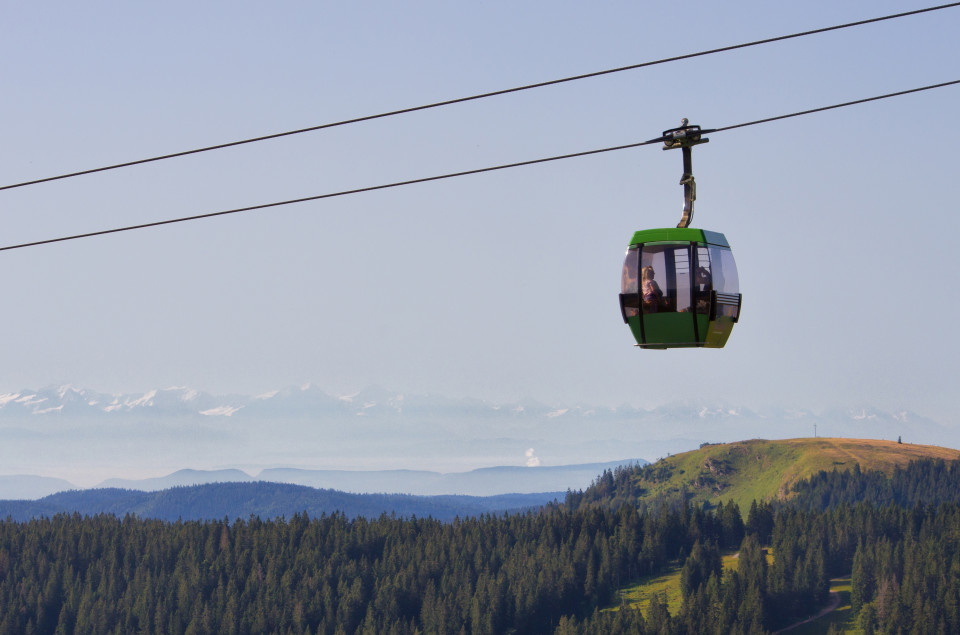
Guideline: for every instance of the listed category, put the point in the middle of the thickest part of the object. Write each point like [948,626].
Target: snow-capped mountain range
[85,436]
[176,401]
[311,402]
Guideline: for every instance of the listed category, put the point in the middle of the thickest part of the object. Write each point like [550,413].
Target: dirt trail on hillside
[832,606]
[856,459]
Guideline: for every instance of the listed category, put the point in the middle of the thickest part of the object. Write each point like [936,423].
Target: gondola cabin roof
[680,235]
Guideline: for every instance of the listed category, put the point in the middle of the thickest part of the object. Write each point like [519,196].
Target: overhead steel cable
[465,172]
[824,108]
[495,93]
[330,195]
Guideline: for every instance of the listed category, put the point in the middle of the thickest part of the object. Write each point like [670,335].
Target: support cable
[483,95]
[465,172]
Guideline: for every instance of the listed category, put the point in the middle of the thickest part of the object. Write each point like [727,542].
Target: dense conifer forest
[549,571]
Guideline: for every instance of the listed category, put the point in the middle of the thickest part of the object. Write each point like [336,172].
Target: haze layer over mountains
[86,437]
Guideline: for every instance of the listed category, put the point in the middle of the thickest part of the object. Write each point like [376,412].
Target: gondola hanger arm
[685,137]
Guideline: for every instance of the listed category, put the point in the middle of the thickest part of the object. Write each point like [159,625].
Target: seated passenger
[650,291]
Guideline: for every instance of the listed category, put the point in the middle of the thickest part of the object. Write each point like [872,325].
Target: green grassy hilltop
[765,470]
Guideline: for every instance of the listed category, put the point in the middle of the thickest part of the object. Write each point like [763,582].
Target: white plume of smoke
[532,461]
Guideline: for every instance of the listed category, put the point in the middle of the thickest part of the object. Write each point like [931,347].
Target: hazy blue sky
[498,286]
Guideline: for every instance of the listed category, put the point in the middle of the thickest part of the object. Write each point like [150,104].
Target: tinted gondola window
[629,283]
[725,279]
[702,281]
[665,278]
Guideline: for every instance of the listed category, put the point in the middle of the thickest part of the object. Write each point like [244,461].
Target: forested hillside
[550,571]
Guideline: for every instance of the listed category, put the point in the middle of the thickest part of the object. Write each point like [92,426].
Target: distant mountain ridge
[491,481]
[217,501]
[180,478]
[488,481]
[29,486]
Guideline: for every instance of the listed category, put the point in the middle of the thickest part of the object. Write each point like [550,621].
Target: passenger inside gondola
[650,290]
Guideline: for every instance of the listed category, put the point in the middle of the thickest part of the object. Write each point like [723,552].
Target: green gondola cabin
[679,288]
